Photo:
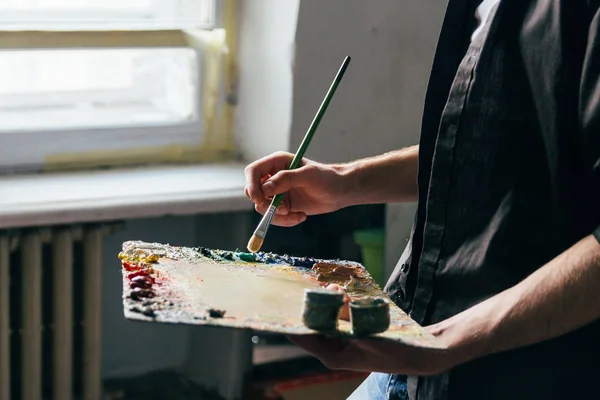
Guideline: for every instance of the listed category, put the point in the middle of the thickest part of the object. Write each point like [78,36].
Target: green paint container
[369,315]
[321,309]
[372,242]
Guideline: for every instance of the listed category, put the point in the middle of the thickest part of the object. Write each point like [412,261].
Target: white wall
[266,39]
[378,106]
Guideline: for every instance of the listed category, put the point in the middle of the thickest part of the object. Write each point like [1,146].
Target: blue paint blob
[261,257]
[304,262]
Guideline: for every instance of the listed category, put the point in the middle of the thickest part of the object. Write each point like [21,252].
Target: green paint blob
[247,257]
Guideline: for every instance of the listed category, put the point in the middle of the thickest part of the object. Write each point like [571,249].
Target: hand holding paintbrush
[258,237]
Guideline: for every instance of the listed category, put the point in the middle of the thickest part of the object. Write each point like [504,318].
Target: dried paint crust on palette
[261,291]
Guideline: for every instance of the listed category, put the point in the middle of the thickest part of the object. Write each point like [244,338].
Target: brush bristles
[255,243]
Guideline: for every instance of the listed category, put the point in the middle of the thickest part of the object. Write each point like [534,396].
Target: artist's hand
[311,189]
[372,355]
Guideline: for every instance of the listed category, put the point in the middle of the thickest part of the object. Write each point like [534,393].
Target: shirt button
[404,267]
[401,295]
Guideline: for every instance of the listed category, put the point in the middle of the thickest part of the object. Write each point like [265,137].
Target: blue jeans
[380,386]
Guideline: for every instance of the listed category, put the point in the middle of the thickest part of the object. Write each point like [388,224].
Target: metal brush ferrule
[265,222]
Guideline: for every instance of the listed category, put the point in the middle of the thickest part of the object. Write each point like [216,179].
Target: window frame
[119,19]
[194,141]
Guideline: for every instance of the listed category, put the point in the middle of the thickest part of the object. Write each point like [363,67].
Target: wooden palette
[262,291]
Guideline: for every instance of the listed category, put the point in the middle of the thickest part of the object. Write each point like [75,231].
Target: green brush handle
[314,125]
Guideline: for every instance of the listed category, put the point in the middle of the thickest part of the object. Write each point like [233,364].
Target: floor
[160,385]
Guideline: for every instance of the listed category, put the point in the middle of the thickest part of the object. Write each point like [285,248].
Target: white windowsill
[95,196]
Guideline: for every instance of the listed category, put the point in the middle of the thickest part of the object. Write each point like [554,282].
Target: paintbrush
[258,237]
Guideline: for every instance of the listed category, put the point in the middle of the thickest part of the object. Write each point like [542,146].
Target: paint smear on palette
[262,291]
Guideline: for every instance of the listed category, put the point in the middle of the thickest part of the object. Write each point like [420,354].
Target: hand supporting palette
[261,291]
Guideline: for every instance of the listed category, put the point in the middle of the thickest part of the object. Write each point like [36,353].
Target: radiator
[50,313]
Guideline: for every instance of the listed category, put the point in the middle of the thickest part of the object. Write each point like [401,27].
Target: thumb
[345,310]
[285,180]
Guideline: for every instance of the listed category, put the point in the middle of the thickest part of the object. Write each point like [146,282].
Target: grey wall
[215,358]
[221,358]
[131,348]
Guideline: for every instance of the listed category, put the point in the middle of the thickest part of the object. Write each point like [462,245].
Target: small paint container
[321,309]
[369,315]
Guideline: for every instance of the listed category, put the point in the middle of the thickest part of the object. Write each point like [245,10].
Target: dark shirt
[509,177]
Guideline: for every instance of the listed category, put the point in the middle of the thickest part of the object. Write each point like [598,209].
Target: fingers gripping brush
[258,237]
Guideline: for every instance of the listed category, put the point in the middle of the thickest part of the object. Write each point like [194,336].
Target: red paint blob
[131,267]
[138,293]
[142,273]
[143,282]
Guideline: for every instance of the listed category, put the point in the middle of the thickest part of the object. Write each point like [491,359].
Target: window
[82,89]
[109,82]
[101,14]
